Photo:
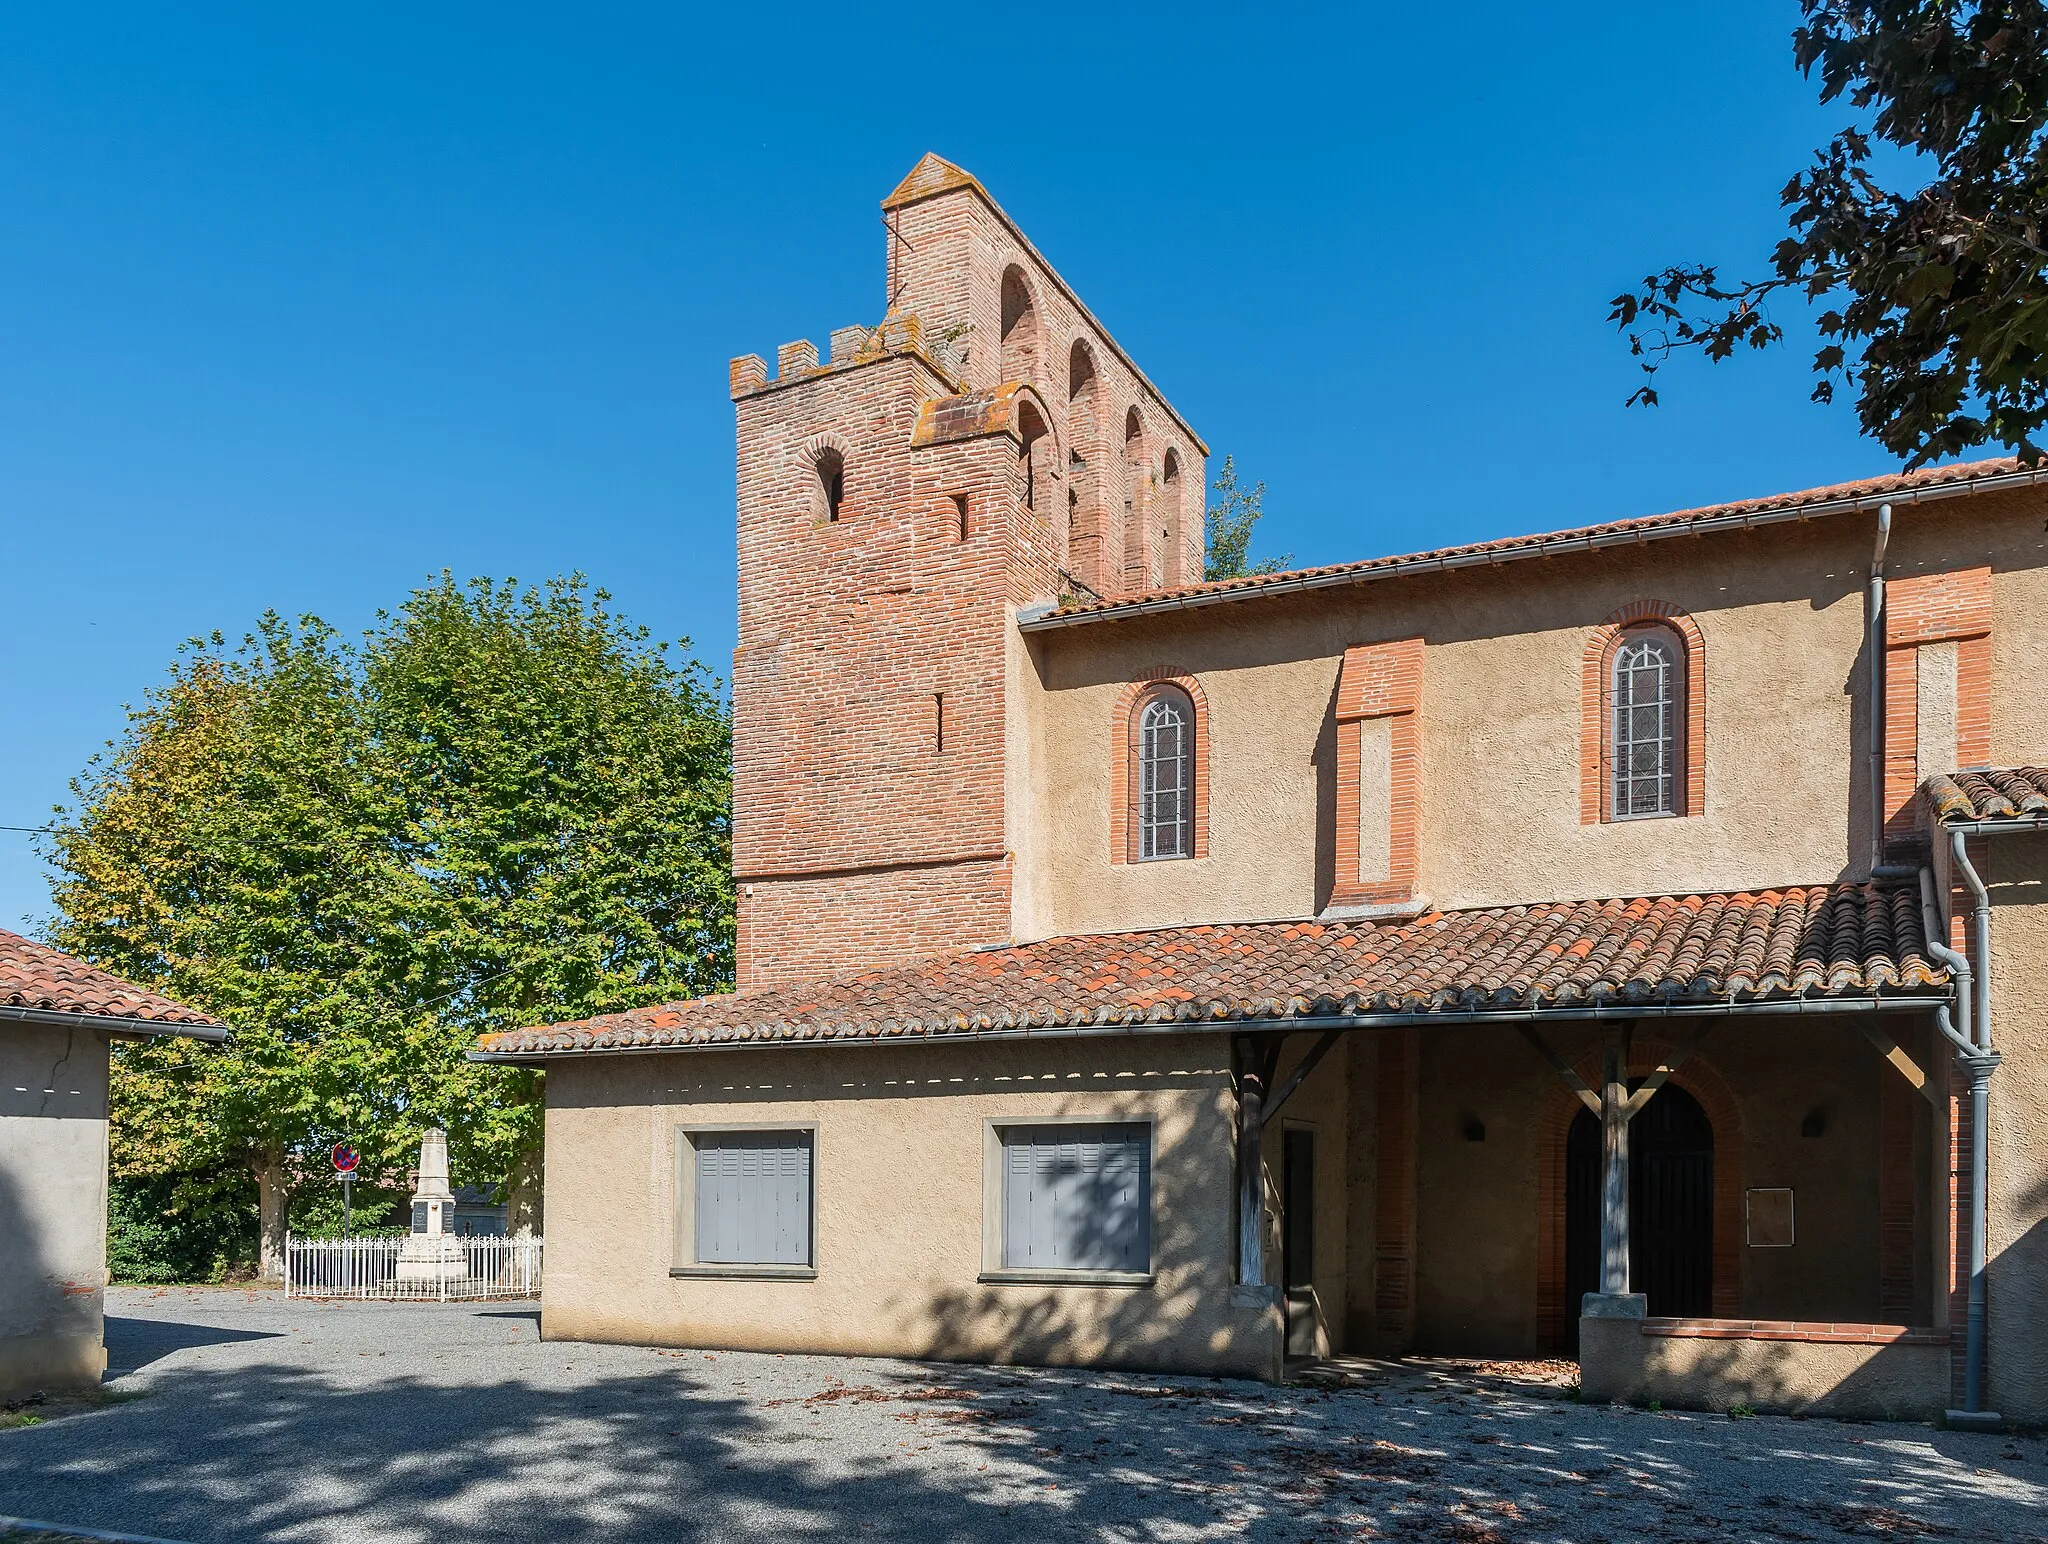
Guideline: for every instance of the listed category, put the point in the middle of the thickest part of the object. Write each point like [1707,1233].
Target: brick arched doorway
[1671,1207]
[1555,1318]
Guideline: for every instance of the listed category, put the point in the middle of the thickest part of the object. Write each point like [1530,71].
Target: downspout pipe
[1958,967]
[1974,1053]
[1874,650]
[1980,933]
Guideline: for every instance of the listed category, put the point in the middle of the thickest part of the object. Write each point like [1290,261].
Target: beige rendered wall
[53,1198]
[900,1203]
[2016,870]
[1781,613]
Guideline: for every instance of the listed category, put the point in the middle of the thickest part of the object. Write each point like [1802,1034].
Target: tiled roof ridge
[1834,939]
[37,977]
[1508,546]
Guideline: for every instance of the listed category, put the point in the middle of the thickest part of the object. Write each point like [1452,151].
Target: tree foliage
[1229,524]
[502,807]
[1934,311]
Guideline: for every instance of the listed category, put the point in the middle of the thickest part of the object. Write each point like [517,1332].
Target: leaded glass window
[1648,723]
[1166,776]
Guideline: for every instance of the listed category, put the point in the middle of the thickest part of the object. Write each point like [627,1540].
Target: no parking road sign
[345,1160]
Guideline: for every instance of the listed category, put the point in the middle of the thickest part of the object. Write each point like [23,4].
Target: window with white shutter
[1077,1198]
[753,1198]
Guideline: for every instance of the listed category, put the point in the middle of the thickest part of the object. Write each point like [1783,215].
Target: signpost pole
[345,1161]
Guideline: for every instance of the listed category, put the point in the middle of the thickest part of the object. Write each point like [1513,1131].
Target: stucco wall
[1781,614]
[900,1203]
[53,1177]
[2016,870]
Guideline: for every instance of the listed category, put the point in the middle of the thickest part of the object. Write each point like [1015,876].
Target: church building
[1626,942]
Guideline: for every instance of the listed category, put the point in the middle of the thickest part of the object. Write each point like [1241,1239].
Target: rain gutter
[213,1034]
[1661,1009]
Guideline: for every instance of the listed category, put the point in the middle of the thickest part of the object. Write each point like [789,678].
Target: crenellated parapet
[897,335]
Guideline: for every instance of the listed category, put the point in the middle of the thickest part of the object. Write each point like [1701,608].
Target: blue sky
[296,309]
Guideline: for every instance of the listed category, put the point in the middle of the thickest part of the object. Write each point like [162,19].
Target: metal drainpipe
[1980,1066]
[1874,647]
[1958,964]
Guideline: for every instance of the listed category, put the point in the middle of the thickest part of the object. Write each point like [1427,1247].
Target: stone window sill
[746,1272]
[1066,1278]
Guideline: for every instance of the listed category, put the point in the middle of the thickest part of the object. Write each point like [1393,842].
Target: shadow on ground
[579,1443]
[135,1343]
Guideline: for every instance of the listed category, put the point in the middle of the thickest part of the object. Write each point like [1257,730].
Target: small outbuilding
[58,1020]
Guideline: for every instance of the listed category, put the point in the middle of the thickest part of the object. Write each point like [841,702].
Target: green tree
[1228,528]
[1928,265]
[502,807]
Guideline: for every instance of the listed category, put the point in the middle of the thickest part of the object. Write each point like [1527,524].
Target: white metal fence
[368,1267]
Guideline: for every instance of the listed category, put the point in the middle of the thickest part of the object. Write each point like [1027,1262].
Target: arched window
[1034,462]
[1170,521]
[830,492]
[1646,724]
[1080,371]
[1020,327]
[1163,744]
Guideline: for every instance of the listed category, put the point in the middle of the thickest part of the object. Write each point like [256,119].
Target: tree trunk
[270,1206]
[524,1194]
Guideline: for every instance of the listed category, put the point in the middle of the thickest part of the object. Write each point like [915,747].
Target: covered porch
[1709,1204]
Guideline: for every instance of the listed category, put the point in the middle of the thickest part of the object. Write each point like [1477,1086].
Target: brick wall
[950,246]
[1921,611]
[869,697]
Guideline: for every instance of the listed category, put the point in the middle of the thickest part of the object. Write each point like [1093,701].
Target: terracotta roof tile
[37,977]
[1813,941]
[1673,523]
[1988,793]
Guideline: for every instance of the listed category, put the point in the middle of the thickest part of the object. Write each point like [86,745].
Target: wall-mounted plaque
[1770,1219]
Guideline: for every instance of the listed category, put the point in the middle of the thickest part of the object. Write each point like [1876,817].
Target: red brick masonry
[1792,1329]
[1948,607]
[1379,680]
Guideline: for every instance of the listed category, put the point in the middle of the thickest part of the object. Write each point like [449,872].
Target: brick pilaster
[1954,606]
[1379,680]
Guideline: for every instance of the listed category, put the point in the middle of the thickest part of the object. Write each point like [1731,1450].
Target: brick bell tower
[899,500]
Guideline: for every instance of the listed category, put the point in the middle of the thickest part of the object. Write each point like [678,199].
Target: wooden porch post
[1614,1114]
[1256,1058]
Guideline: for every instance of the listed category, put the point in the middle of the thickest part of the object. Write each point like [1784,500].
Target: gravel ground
[262,1419]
